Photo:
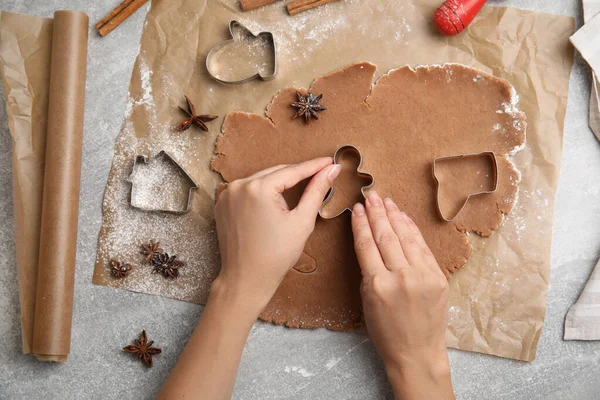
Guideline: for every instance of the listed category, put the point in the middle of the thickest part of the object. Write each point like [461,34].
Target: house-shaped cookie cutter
[336,156]
[489,154]
[144,159]
[233,26]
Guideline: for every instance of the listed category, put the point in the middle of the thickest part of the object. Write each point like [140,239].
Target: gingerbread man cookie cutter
[247,33]
[336,156]
[489,154]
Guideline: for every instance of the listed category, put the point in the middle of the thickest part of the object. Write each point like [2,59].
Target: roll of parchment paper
[60,205]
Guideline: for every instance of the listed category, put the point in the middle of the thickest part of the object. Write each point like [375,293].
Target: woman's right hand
[405,299]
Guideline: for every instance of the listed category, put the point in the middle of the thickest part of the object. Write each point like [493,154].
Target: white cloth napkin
[583,319]
[587,41]
[595,107]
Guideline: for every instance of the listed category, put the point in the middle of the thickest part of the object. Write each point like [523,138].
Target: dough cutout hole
[461,177]
[306,264]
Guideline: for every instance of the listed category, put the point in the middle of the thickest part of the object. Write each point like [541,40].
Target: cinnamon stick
[118,15]
[114,12]
[252,4]
[298,6]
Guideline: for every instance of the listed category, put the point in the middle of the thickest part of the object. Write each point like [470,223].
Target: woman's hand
[260,238]
[405,299]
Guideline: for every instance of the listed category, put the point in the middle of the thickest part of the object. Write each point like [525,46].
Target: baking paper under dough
[400,125]
[497,300]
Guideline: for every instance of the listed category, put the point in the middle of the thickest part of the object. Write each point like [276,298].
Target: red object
[455,15]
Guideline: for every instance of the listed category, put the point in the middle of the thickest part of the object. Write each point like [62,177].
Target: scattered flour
[124,229]
[331,363]
[146,98]
[323,24]
[299,370]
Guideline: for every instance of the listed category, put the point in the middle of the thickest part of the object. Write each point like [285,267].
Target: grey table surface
[279,362]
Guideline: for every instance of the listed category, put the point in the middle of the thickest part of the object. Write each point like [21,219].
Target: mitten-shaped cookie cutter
[233,26]
[336,156]
[490,154]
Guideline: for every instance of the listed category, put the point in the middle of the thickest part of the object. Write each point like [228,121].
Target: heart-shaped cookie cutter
[490,154]
[233,25]
[336,156]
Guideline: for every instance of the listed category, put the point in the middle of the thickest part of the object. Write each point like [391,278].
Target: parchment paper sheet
[498,299]
[43,69]
[25,46]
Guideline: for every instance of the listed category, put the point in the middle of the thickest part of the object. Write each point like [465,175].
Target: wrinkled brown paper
[43,63]
[26,73]
[497,301]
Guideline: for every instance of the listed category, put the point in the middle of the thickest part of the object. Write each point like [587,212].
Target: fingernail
[374,199]
[389,204]
[334,171]
[359,209]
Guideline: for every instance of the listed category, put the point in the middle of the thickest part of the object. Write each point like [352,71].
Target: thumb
[316,190]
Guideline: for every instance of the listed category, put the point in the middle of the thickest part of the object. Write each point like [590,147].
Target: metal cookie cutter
[489,154]
[336,156]
[234,26]
[144,159]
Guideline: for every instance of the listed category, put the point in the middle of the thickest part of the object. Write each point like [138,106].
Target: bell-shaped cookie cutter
[233,25]
[133,194]
[336,156]
[490,154]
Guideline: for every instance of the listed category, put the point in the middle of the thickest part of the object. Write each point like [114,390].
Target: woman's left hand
[260,238]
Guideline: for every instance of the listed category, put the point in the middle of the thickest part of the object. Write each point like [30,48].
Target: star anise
[150,250]
[308,106]
[118,269]
[166,265]
[193,118]
[143,349]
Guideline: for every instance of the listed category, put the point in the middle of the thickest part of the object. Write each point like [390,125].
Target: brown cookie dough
[400,124]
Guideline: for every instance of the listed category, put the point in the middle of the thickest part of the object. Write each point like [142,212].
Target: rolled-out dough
[400,124]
